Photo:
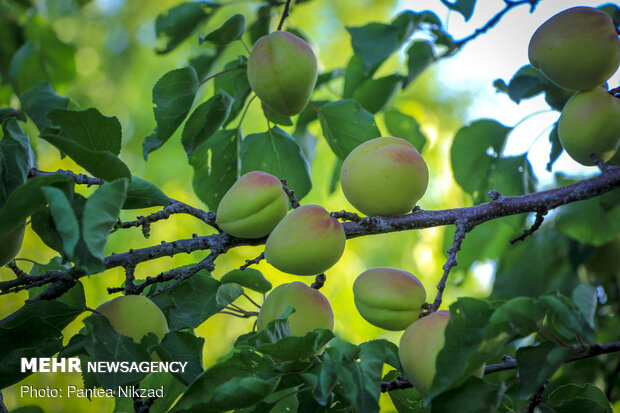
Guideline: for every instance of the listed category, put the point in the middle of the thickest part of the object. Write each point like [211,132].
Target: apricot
[419,346]
[312,309]
[590,122]
[389,298]
[577,48]
[253,206]
[134,316]
[307,241]
[282,71]
[11,243]
[384,176]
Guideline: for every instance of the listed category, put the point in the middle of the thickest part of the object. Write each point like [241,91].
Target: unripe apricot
[419,346]
[282,71]
[307,241]
[389,298]
[577,48]
[384,176]
[590,122]
[135,316]
[312,309]
[11,243]
[253,206]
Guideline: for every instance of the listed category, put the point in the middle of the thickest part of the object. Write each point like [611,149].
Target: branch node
[290,193]
[252,261]
[319,281]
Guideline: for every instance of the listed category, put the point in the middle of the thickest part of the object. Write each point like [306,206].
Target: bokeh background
[117,67]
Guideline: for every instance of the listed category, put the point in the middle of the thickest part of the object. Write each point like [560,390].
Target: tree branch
[62,280]
[284,14]
[509,363]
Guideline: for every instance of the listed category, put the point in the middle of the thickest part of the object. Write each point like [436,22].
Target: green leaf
[25,200]
[276,152]
[89,128]
[585,298]
[101,213]
[405,127]
[227,293]
[190,303]
[537,364]
[594,221]
[37,102]
[206,119]
[173,95]
[15,158]
[565,317]
[469,318]
[105,344]
[182,346]
[180,22]
[260,26]
[64,218]
[26,70]
[241,380]
[354,76]
[465,7]
[57,57]
[346,125]
[374,43]
[236,84]
[228,32]
[375,94]
[420,55]
[274,117]
[478,167]
[204,62]
[556,147]
[92,140]
[248,278]
[216,166]
[573,398]
[35,330]
[474,396]
[144,194]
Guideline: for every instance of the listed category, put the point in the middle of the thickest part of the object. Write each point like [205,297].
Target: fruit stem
[284,14]
[221,73]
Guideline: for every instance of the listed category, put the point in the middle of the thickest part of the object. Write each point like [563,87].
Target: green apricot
[384,176]
[307,241]
[419,346]
[389,298]
[282,71]
[577,48]
[253,206]
[312,309]
[11,243]
[134,316]
[590,122]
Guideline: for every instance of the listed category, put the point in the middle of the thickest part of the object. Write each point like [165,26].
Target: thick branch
[61,280]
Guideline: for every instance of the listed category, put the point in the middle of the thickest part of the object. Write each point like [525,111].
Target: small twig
[130,286]
[291,194]
[536,398]
[284,14]
[368,222]
[252,301]
[599,162]
[252,261]
[232,69]
[398,383]
[494,20]
[248,315]
[319,281]
[79,179]
[540,217]
[462,228]
[18,271]
[551,336]
[176,207]
[140,406]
